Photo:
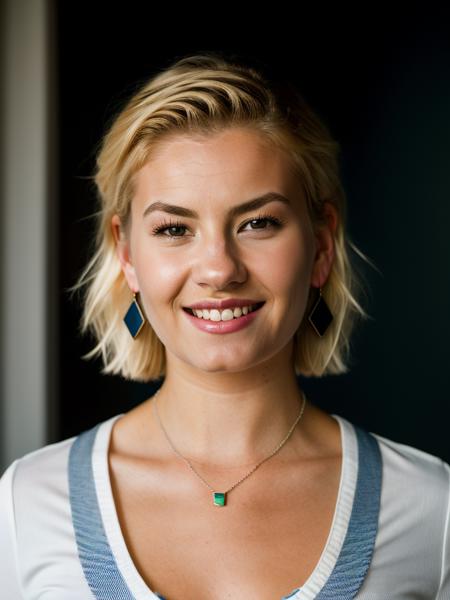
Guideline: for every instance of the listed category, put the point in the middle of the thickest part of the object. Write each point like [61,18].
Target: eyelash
[159,229]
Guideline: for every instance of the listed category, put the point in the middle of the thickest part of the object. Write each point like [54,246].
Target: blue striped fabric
[356,553]
[97,560]
[107,583]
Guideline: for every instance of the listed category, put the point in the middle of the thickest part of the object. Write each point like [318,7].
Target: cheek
[291,278]
[290,264]
[158,276]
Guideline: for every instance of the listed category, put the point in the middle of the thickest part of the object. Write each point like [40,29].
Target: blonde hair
[204,94]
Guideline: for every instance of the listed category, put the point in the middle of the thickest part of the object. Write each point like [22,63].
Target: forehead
[223,164]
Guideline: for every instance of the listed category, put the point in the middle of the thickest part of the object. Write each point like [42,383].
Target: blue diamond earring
[320,316]
[134,319]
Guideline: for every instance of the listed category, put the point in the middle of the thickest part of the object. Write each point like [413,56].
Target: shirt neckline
[336,548]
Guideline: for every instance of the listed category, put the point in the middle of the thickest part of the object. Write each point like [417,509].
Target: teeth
[225,315]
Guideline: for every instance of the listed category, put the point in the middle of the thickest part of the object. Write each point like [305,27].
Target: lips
[256,306]
[224,327]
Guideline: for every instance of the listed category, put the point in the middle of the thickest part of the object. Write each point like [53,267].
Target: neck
[229,426]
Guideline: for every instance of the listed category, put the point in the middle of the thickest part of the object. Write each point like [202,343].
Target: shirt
[60,537]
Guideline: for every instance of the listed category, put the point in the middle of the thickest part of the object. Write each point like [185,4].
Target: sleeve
[10,585]
[444,587]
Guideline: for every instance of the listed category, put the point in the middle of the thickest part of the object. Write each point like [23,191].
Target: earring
[134,319]
[320,316]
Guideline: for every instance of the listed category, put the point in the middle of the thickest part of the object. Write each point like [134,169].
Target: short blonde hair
[204,94]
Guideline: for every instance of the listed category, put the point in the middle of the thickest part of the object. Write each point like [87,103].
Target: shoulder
[35,493]
[42,472]
[36,521]
[32,467]
[414,517]
[34,500]
[408,463]
[34,488]
[404,463]
[415,486]
[415,495]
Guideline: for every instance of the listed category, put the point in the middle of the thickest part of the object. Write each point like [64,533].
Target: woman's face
[216,255]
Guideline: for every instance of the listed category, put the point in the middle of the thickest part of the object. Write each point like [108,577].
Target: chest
[263,544]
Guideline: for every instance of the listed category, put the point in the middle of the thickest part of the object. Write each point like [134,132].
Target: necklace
[219,498]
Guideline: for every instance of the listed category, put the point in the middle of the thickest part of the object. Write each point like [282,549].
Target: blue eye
[160,229]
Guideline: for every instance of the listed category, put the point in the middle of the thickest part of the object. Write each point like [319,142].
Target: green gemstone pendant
[219,498]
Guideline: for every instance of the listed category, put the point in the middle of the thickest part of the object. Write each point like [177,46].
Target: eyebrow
[234,211]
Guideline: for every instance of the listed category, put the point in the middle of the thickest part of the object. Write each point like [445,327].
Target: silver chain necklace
[219,498]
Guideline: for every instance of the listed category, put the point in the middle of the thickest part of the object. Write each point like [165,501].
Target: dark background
[381,82]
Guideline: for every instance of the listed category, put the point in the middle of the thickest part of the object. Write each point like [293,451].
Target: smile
[225,314]
[225,321]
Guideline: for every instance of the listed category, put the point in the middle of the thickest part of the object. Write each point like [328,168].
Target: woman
[222,267]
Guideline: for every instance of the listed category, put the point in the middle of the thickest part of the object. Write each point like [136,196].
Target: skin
[227,400]
[225,386]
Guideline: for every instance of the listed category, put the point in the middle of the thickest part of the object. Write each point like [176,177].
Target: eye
[159,229]
[166,225]
[274,222]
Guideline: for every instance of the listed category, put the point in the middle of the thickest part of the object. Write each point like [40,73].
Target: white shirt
[60,537]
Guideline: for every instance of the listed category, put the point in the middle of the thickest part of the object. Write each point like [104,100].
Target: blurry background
[380,81]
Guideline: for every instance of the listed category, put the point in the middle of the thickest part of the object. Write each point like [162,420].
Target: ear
[324,246]
[124,254]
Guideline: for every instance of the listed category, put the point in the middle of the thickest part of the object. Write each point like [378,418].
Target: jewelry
[134,319]
[320,316]
[219,498]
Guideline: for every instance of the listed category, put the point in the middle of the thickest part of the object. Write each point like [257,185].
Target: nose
[218,264]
